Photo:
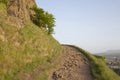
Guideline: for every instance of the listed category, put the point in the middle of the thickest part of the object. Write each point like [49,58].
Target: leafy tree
[43,19]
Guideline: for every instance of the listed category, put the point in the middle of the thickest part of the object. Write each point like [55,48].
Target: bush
[43,19]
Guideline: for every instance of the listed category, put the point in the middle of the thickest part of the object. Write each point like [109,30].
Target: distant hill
[111,53]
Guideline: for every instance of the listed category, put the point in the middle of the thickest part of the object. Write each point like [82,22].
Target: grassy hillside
[23,50]
[99,69]
[29,53]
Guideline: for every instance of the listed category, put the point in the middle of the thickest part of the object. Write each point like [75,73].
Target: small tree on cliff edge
[43,19]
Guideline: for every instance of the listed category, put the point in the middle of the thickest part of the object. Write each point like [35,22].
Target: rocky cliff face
[19,11]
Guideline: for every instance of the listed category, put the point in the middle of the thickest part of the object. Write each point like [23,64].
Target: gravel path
[74,66]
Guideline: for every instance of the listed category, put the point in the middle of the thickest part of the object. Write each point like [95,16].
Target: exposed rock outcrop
[19,11]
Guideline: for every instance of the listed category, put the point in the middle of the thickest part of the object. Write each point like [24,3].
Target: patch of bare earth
[74,66]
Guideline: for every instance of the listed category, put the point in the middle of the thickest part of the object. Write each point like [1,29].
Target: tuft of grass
[3,12]
[2,6]
[99,69]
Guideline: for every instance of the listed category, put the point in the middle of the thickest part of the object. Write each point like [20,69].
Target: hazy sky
[93,25]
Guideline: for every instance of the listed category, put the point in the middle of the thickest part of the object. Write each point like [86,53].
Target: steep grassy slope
[24,49]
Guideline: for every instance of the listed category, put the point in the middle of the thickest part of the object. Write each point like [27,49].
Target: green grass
[3,12]
[99,69]
[25,50]
[2,6]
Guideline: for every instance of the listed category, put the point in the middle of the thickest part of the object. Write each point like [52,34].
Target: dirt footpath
[74,66]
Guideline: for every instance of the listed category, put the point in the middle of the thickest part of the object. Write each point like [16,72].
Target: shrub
[43,19]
